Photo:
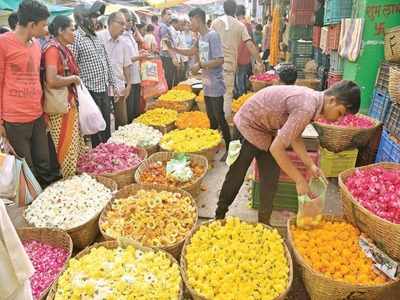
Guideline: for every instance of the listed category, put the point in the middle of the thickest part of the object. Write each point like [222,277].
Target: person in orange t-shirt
[21,113]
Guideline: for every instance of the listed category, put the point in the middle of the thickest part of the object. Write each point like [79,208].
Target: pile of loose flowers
[236,260]
[192,119]
[120,273]
[190,140]
[333,250]
[378,190]
[157,173]
[136,135]
[177,95]
[48,261]
[354,121]
[238,103]
[68,203]
[178,106]
[158,117]
[109,158]
[152,218]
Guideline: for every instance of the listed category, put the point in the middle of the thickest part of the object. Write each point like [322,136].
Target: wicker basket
[385,234]
[166,128]
[196,296]
[320,287]
[113,245]
[53,237]
[337,139]
[311,83]
[126,177]
[392,44]
[208,153]
[193,188]
[394,86]
[179,106]
[131,190]
[151,150]
[83,235]
[257,85]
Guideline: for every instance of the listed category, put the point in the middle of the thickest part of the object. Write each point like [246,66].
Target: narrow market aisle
[212,184]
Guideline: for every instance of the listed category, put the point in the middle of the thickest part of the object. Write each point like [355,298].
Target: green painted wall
[378,14]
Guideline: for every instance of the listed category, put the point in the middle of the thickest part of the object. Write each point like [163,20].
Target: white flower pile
[68,203]
[136,135]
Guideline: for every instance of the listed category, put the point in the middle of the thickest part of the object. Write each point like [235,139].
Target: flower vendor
[210,59]
[269,122]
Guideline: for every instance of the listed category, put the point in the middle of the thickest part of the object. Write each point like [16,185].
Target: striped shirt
[94,64]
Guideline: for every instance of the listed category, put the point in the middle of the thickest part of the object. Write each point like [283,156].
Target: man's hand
[302,187]
[315,171]
[76,80]
[126,92]
[175,62]
[168,44]
[195,69]
[2,132]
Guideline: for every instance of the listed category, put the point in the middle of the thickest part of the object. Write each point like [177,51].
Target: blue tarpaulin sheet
[54,9]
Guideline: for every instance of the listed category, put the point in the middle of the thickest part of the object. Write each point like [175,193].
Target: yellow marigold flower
[335,252]
[190,140]
[224,261]
[183,87]
[177,95]
[158,117]
[238,103]
[193,119]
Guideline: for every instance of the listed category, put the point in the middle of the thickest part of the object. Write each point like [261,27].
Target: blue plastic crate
[389,149]
[301,47]
[392,120]
[380,105]
[300,61]
[335,10]
[336,62]
[300,32]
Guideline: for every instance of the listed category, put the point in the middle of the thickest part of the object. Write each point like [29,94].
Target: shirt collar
[320,104]
[109,37]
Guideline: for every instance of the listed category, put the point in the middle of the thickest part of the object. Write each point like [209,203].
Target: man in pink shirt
[269,122]
[21,113]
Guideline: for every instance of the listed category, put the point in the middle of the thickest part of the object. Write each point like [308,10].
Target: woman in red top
[62,71]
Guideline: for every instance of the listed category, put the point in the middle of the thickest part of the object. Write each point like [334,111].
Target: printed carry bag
[155,88]
[28,187]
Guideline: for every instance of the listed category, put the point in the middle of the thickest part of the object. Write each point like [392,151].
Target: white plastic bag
[8,180]
[233,152]
[91,120]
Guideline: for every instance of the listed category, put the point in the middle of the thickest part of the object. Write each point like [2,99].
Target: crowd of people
[105,57]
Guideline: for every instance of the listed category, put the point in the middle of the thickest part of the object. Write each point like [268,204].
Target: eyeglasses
[120,23]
